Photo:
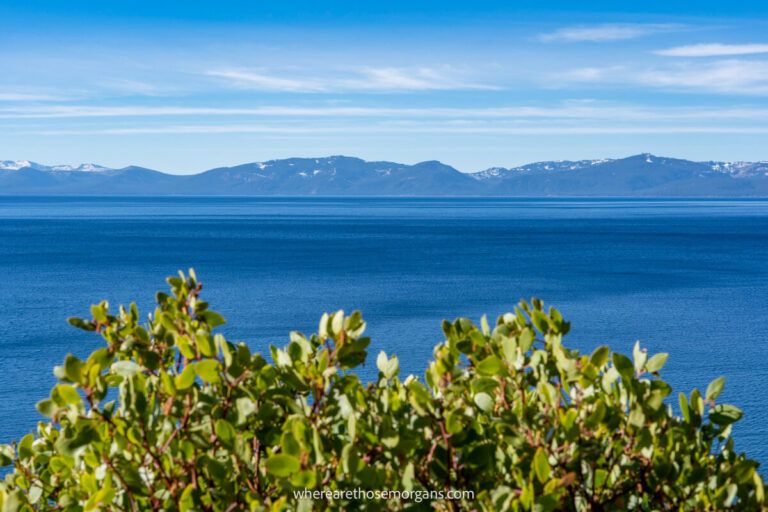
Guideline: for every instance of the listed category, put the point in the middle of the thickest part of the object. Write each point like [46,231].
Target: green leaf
[69,394]
[656,362]
[46,407]
[541,465]
[99,312]
[337,322]
[597,415]
[600,356]
[187,501]
[7,454]
[526,339]
[213,319]
[491,365]
[225,432]
[186,378]
[684,409]
[167,382]
[80,323]
[25,446]
[185,346]
[393,367]
[484,402]
[389,367]
[640,356]
[350,460]
[125,368]
[715,388]
[245,407]
[725,414]
[70,445]
[205,344]
[282,465]
[482,456]
[624,366]
[636,417]
[381,361]
[208,370]
[73,368]
[484,328]
[409,477]
[540,320]
[453,423]
[322,328]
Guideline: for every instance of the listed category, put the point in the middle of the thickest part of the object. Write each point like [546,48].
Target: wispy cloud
[606,32]
[727,76]
[18,96]
[262,81]
[713,50]
[382,79]
[741,77]
[579,110]
[419,79]
[424,128]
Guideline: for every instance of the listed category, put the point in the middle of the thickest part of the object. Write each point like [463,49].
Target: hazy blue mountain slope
[337,175]
[639,175]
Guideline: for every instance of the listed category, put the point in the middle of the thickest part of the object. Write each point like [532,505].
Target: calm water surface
[685,277]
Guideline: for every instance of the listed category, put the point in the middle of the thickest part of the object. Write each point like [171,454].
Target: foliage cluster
[172,416]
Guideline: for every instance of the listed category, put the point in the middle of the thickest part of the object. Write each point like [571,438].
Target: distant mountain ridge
[643,175]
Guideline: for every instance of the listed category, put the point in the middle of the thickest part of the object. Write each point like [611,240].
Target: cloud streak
[605,32]
[17,96]
[431,129]
[262,81]
[713,50]
[574,110]
[585,110]
[732,76]
[368,79]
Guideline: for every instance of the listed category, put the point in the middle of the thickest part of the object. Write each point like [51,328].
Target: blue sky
[185,86]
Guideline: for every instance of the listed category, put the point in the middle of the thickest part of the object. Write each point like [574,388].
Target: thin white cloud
[728,76]
[397,130]
[740,77]
[713,50]
[588,74]
[262,81]
[605,32]
[569,110]
[399,79]
[17,96]
[383,79]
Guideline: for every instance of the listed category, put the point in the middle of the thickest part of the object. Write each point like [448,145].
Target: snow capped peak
[79,168]
[648,157]
[14,165]
[18,165]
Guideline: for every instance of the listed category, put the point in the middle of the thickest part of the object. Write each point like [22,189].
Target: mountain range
[643,175]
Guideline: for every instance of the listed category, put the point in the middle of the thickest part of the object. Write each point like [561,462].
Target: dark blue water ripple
[686,277]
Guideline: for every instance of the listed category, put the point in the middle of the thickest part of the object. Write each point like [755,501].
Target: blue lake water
[685,277]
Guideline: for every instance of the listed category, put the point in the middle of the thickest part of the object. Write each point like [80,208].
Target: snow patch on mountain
[740,169]
[14,165]
[737,169]
[20,165]
[79,168]
[537,167]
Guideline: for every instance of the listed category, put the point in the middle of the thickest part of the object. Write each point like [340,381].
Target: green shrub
[171,416]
